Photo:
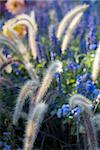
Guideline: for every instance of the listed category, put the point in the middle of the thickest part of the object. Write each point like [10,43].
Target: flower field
[49,75]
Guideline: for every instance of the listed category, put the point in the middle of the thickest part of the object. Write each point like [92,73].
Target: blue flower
[78,80]
[6,51]
[15,65]
[72,66]
[66,109]
[96,92]
[65,106]
[86,76]
[41,52]
[7,147]
[89,86]
[20,78]
[59,113]
[92,46]
[76,111]
[6,133]
[1,143]
[52,36]
[1,23]
[57,10]
[83,46]
[17,72]
[59,83]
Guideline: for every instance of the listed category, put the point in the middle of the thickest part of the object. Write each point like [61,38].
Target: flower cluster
[91,38]
[40,45]
[86,87]
[72,66]
[6,146]
[66,111]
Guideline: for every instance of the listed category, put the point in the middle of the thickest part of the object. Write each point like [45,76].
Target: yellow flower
[19,29]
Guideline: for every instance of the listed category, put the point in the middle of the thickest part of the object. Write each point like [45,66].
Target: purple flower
[57,10]
[41,52]
[52,36]
[54,43]
[42,18]
[83,46]
[72,66]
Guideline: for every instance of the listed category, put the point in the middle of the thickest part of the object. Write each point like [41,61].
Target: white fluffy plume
[69,32]
[25,55]
[30,23]
[27,90]
[33,124]
[96,64]
[56,66]
[79,100]
[67,18]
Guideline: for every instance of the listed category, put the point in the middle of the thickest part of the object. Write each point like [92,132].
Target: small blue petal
[59,113]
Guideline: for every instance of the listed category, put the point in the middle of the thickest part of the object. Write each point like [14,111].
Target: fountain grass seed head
[27,89]
[56,66]
[68,35]
[96,64]
[4,59]
[81,101]
[18,24]
[35,119]
[67,18]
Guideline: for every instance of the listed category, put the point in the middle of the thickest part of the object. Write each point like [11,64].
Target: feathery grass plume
[33,124]
[25,56]
[1,62]
[90,130]
[30,22]
[8,68]
[10,44]
[51,96]
[6,82]
[18,48]
[27,90]
[96,121]
[96,64]
[56,66]
[30,19]
[68,35]
[19,29]
[67,18]
[8,62]
[86,105]
[32,15]
[31,37]
[79,100]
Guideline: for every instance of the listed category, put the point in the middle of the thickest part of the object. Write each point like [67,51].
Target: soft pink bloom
[15,6]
